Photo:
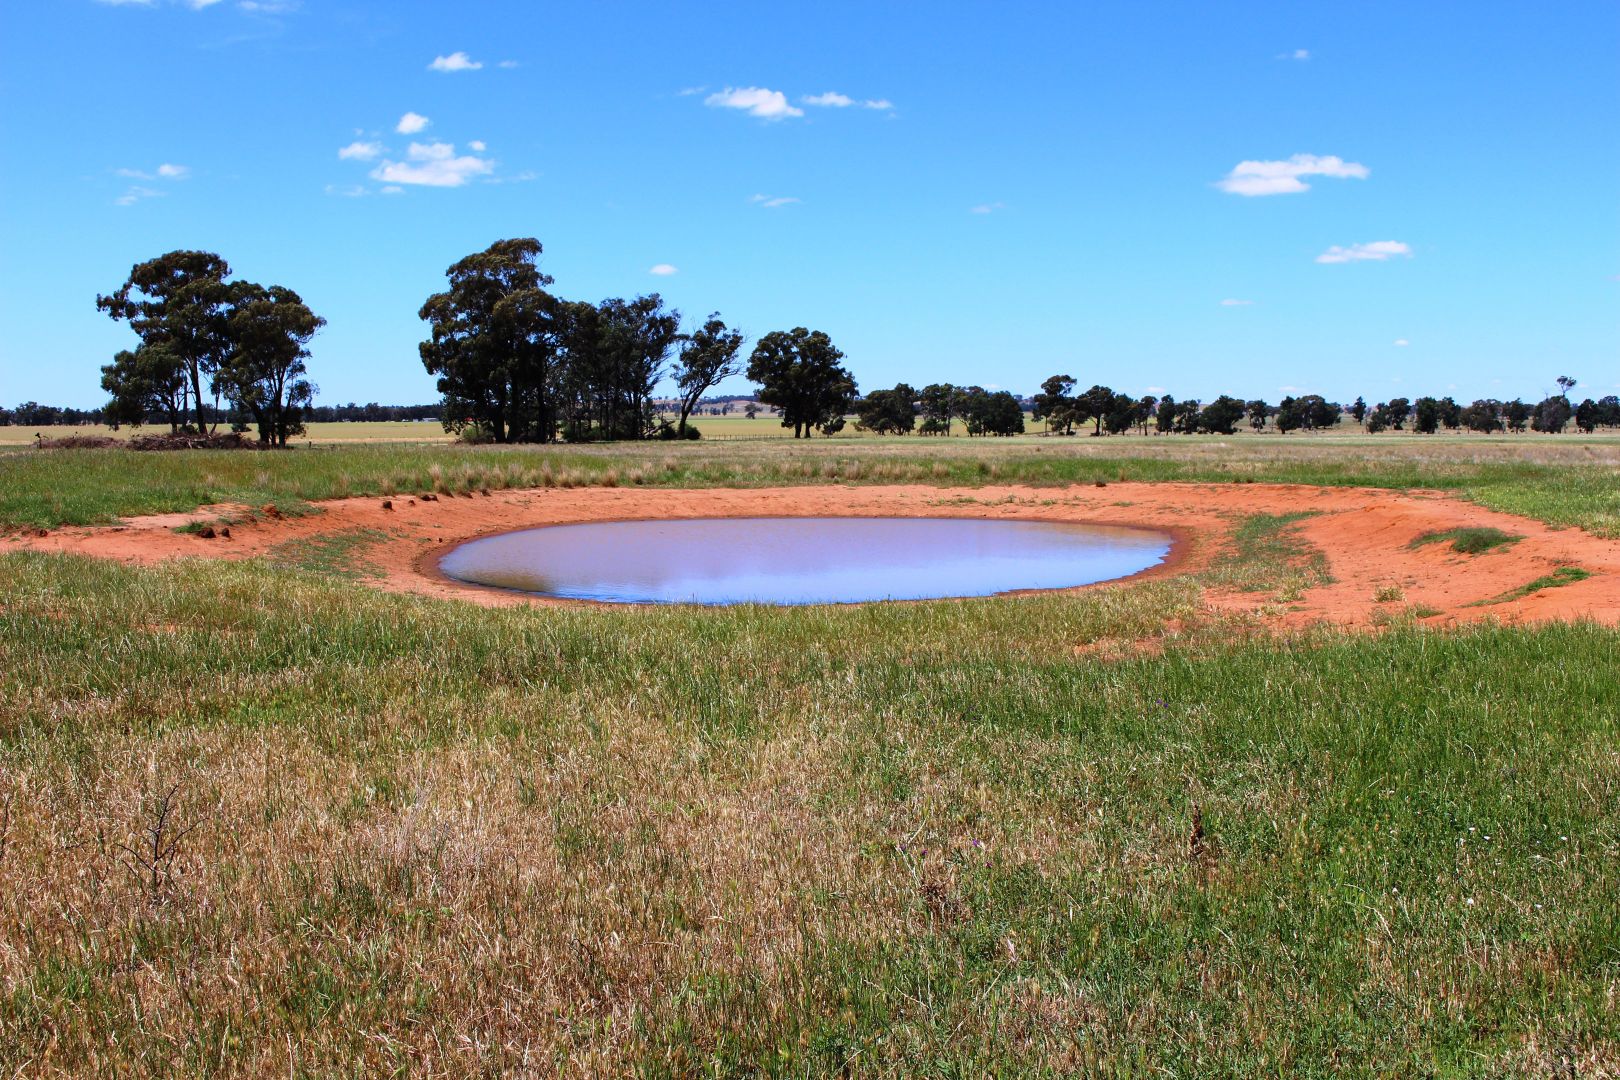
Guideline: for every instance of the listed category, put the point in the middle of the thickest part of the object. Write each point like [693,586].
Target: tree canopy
[800,373]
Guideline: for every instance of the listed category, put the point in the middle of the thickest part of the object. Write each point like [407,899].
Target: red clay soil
[1364,534]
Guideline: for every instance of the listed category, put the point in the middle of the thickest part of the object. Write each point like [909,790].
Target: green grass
[1564,482]
[890,840]
[1564,575]
[1468,540]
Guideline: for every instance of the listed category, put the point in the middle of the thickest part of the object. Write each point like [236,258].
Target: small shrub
[1468,540]
[1388,594]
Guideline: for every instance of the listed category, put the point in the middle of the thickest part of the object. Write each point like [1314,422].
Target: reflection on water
[802,560]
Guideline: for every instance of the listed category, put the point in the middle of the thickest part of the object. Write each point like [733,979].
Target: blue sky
[1206,197]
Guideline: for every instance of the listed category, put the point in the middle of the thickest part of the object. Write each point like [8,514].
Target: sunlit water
[802,560]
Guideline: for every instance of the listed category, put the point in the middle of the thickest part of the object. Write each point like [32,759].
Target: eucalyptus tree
[800,373]
[493,343]
[938,404]
[888,412]
[1055,404]
[144,381]
[706,356]
[263,374]
[177,303]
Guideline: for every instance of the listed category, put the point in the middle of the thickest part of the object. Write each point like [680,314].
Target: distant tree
[178,302]
[799,372]
[1484,415]
[1565,385]
[1608,413]
[1290,416]
[1392,414]
[1551,415]
[938,404]
[1165,415]
[1258,412]
[1427,416]
[493,343]
[1122,414]
[706,357]
[1094,405]
[751,409]
[1055,404]
[1359,410]
[986,413]
[1517,415]
[1587,415]
[270,330]
[1187,417]
[1221,416]
[888,412]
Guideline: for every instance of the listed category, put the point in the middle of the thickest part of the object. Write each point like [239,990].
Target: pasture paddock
[259,816]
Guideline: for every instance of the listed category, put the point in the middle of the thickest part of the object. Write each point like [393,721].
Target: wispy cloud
[1285,177]
[360,151]
[138,192]
[412,123]
[1237,303]
[456,61]
[508,64]
[663,270]
[771,202]
[1377,251]
[433,165]
[1295,54]
[987,208]
[1402,342]
[832,99]
[755,101]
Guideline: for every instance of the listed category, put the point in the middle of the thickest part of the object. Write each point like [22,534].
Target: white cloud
[1237,303]
[1283,177]
[135,195]
[878,103]
[477,145]
[411,123]
[132,174]
[456,61]
[987,208]
[1154,390]
[1402,342]
[663,270]
[1377,251]
[432,165]
[173,172]
[832,99]
[690,91]
[509,64]
[773,201]
[1296,54]
[360,151]
[348,191]
[756,101]
[393,189]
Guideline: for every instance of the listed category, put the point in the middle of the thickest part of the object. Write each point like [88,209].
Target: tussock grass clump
[1469,540]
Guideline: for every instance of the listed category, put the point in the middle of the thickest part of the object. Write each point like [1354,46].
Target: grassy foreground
[413,836]
[1563,480]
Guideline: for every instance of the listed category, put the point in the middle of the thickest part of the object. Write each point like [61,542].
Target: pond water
[802,560]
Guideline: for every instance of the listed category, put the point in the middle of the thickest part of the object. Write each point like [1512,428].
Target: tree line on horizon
[517,363]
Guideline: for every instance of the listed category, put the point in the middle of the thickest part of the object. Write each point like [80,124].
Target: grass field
[257,818]
[1561,480]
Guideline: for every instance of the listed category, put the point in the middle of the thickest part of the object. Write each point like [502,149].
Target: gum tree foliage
[1517,415]
[1221,416]
[707,356]
[493,343]
[263,374]
[179,306]
[800,373]
[1164,420]
[1055,404]
[1484,415]
[1359,410]
[938,404]
[143,382]
[1309,411]
[888,412]
[987,413]
[1258,412]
